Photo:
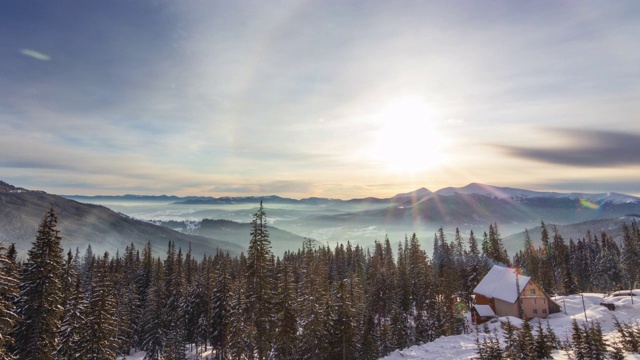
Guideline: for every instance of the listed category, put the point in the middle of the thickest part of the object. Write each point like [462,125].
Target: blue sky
[319,98]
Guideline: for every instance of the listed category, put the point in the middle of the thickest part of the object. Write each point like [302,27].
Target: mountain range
[422,194]
[328,220]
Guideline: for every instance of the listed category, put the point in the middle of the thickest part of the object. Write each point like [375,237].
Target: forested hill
[316,303]
[21,211]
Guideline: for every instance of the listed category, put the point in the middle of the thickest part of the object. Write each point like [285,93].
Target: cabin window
[532,291]
[535,311]
[544,311]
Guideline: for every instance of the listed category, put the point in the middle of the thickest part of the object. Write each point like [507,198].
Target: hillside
[235,232]
[613,227]
[80,224]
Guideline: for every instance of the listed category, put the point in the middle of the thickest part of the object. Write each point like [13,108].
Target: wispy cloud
[225,93]
[585,148]
[35,54]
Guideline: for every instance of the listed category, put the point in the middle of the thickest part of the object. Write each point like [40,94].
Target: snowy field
[463,346]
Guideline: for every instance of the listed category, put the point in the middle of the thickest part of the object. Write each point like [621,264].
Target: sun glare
[406,138]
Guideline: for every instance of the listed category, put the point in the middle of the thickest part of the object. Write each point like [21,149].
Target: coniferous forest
[346,302]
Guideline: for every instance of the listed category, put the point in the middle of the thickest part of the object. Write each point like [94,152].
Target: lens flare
[588,204]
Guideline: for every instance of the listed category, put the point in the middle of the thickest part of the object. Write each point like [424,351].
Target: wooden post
[584,308]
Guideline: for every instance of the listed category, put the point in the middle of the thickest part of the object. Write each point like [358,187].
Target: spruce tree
[259,284]
[154,322]
[100,317]
[511,350]
[240,333]
[220,305]
[41,297]
[578,341]
[526,341]
[630,257]
[286,314]
[8,291]
[174,316]
[543,347]
[73,332]
[127,300]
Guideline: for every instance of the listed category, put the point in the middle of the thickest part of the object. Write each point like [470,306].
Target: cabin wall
[503,308]
[482,300]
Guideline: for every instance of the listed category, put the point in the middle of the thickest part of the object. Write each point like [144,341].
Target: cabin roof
[500,283]
[484,310]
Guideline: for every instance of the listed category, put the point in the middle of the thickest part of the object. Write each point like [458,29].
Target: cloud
[585,148]
[35,54]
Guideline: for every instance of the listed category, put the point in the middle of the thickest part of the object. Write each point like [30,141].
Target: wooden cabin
[509,293]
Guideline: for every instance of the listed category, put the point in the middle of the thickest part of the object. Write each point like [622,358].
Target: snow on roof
[484,310]
[500,283]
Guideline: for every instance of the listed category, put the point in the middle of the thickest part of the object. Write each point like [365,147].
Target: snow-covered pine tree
[8,291]
[101,314]
[220,305]
[344,324]
[286,315]
[595,342]
[73,333]
[127,299]
[545,277]
[510,340]
[497,252]
[259,274]
[543,348]
[578,341]
[475,266]
[175,325]
[526,341]
[143,275]
[240,333]
[153,323]
[610,271]
[630,256]
[40,299]
[314,309]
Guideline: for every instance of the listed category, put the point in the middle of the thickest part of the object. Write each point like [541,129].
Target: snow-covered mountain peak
[422,192]
[517,194]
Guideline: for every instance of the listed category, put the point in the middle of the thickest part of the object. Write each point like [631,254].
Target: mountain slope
[81,224]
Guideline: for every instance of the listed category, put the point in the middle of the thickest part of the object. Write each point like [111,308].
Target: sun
[406,138]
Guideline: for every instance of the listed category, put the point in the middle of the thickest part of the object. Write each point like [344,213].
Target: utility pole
[520,310]
[584,308]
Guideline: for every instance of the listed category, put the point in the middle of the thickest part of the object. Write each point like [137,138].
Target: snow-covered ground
[463,346]
[191,355]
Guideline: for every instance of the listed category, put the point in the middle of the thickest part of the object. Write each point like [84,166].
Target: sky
[329,98]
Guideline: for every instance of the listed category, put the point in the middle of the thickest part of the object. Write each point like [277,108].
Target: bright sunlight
[406,138]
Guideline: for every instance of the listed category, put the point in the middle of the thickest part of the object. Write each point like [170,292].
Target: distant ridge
[80,224]
[420,194]
[514,193]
